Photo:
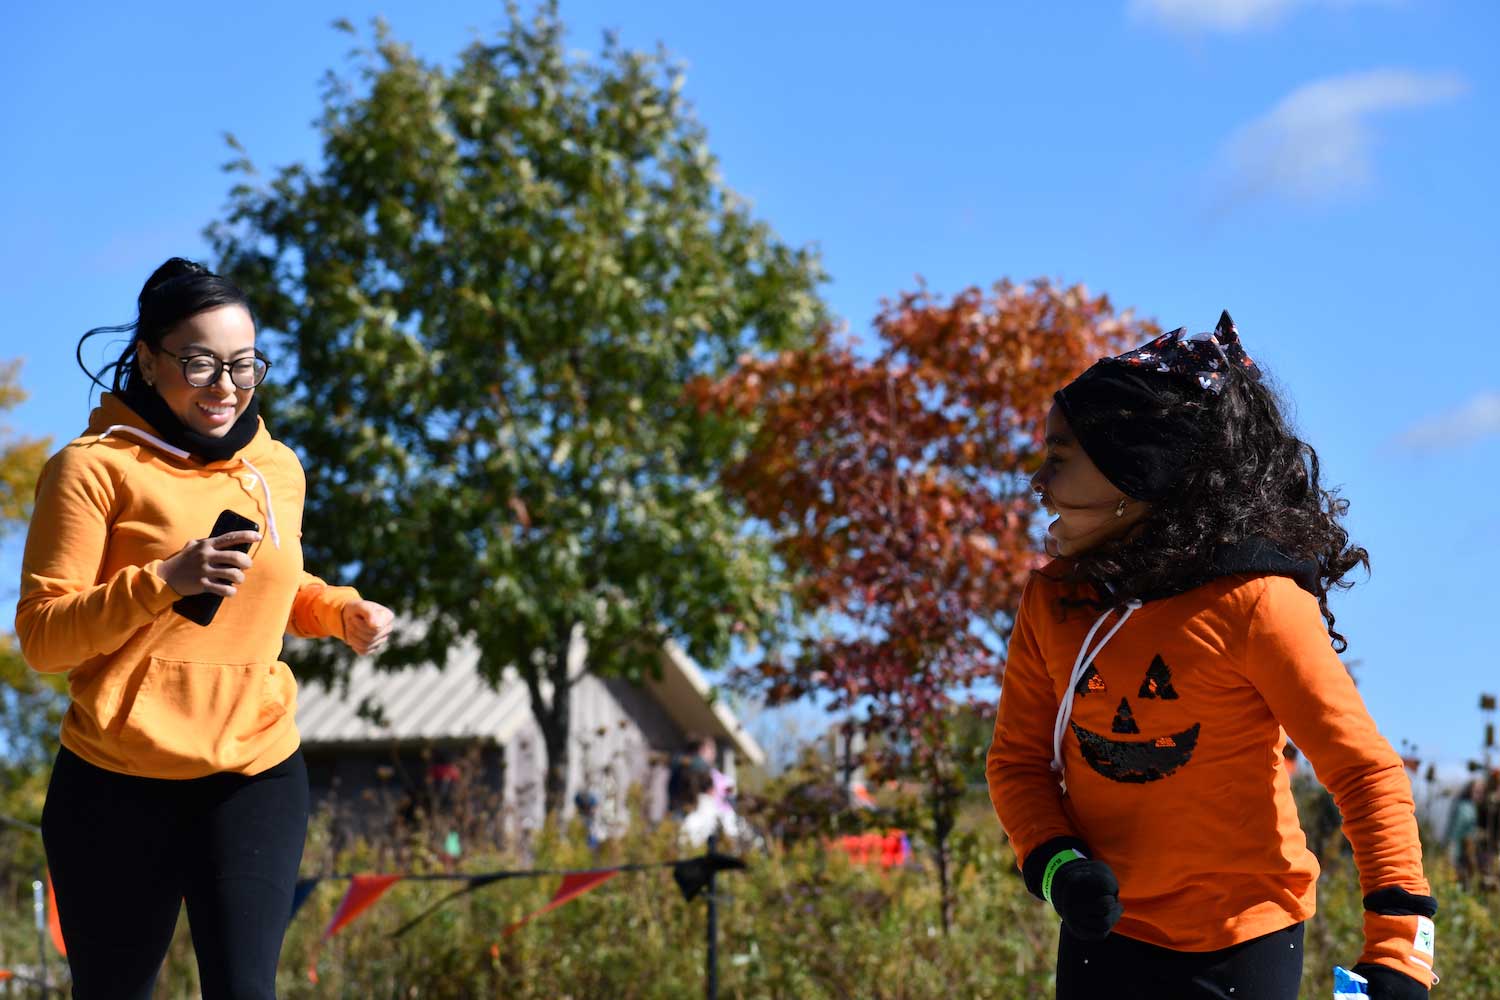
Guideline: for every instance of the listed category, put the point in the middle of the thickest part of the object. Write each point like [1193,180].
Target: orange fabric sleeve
[1023,788]
[65,615]
[318,609]
[1292,664]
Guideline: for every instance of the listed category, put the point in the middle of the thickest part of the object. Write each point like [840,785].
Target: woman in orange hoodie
[1156,669]
[179,777]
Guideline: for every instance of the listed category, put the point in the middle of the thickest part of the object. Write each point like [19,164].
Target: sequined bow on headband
[1205,357]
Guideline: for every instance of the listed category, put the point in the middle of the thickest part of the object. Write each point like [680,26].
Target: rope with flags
[690,874]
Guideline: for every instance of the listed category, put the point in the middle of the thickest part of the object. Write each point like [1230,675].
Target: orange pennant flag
[54,923]
[572,887]
[364,890]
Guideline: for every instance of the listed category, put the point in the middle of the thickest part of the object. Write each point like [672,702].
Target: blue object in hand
[1348,985]
[1385,983]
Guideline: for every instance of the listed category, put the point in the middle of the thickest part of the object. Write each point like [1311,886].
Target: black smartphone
[201,608]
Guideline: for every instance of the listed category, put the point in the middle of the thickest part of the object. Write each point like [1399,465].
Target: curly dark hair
[1250,478]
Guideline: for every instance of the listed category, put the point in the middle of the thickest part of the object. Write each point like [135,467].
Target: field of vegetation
[800,923]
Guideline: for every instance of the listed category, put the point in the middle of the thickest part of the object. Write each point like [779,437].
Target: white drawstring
[1080,666]
[178,453]
[270,511]
[146,436]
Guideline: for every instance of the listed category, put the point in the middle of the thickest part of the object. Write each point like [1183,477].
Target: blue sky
[1322,169]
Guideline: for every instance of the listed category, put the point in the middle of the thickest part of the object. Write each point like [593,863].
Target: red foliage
[896,488]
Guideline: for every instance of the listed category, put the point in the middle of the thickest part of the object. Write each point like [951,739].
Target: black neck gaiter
[150,407]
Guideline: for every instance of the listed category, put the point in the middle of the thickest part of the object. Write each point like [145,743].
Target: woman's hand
[206,566]
[1086,895]
[367,626]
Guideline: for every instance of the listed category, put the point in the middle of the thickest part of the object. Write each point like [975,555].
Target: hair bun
[174,268]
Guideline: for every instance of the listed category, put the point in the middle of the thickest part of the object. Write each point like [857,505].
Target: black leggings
[126,852]
[1264,968]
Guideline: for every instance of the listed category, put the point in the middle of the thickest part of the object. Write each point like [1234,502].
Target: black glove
[1084,891]
[1388,984]
[1087,897]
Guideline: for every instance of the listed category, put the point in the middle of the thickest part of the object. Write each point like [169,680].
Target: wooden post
[39,908]
[713,925]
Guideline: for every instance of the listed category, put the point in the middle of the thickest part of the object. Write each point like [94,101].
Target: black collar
[150,407]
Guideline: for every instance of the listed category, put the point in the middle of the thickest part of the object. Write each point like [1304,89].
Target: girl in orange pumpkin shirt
[1158,666]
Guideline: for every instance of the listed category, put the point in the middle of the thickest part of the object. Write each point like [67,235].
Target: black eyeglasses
[202,370]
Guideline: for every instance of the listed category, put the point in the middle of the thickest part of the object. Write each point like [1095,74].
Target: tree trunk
[943,800]
[553,718]
[555,780]
[944,889]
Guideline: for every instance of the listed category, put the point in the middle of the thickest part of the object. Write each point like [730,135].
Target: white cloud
[1478,418]
[1228,15]
[1316,142]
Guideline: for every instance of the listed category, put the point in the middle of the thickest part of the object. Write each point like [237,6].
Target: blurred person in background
[1460,835]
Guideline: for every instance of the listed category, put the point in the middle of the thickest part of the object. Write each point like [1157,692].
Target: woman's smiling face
[1086,505]
[225,334]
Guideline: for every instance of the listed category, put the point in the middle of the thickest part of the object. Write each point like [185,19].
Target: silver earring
[1120,510]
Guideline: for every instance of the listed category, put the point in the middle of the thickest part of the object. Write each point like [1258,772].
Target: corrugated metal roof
[455,702]
[421,703]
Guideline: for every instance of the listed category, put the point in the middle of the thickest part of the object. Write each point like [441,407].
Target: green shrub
[799,924]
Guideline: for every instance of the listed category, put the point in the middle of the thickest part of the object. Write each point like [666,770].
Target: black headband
[1129,414]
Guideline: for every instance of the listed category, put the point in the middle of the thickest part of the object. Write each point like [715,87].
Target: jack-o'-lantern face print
[1134,761]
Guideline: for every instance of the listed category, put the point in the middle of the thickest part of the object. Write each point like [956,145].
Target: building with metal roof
[376,740]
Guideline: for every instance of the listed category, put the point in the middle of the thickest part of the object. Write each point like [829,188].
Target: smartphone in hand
[201,608]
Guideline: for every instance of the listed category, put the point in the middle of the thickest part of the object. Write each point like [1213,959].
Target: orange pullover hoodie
[1171,767]
[154,694]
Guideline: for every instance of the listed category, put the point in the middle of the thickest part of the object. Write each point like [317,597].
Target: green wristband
[1058,860]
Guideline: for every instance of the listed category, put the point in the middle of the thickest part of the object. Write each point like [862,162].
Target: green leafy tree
[484,305]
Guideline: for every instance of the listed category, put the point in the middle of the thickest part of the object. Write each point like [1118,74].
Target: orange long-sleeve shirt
[154,694]
[1173,764]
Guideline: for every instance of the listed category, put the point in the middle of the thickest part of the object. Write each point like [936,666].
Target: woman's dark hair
[698,781]
[1252,477]
[176,291]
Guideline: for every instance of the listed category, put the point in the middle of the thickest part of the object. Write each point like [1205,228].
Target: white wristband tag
[1426,938]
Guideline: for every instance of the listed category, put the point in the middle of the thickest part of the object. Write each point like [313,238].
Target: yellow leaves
[21,458]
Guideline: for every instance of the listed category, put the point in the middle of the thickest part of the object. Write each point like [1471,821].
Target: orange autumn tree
[894,482]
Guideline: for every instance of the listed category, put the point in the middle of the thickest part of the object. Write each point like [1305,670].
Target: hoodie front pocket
[203,711]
